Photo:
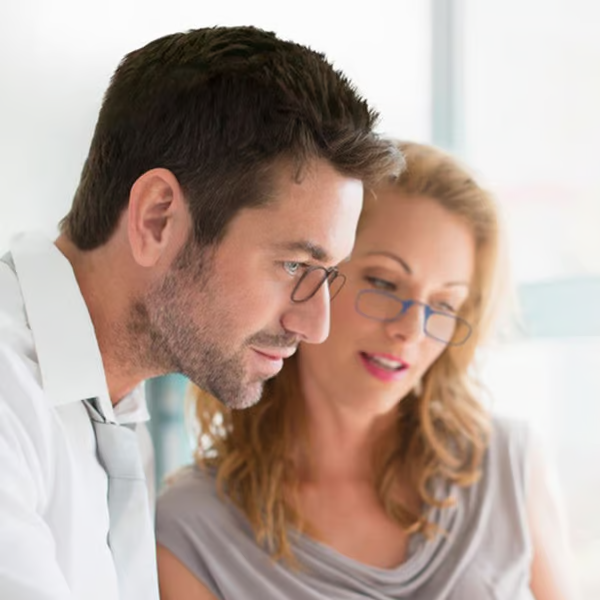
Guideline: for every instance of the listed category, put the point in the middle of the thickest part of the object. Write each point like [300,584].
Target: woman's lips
[384,367]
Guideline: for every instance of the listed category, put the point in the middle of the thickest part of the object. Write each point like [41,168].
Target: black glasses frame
[329,274]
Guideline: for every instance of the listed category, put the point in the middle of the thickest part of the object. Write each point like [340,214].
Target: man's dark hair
[220,107]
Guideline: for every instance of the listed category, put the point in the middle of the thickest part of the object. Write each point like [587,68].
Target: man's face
[224,317]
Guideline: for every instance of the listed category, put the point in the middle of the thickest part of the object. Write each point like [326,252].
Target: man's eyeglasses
[386,307]
[313,278]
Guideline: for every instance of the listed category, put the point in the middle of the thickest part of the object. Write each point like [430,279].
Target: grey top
[486,555]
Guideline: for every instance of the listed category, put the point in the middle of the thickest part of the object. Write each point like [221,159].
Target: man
[223,184]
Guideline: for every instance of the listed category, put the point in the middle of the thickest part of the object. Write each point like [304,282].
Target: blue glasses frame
[405,306]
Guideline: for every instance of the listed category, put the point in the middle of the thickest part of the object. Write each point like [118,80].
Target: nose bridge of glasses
[409,317]
[387,307]
[309,313]
[312,283]
[413,313]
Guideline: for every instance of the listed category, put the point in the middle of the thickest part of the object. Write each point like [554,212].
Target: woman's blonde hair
[441,430]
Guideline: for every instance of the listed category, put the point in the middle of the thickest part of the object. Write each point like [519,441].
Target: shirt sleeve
[183,528]
[28,564]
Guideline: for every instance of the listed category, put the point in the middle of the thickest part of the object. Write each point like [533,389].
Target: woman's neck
[343,434]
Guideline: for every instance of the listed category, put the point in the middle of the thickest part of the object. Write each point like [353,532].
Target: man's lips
[272,354]
[268,362]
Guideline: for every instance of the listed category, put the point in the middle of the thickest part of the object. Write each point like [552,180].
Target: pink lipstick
[384,367]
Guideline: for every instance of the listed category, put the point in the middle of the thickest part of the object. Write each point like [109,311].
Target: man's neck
[102,278]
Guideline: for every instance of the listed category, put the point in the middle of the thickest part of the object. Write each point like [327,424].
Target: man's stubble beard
[164,338]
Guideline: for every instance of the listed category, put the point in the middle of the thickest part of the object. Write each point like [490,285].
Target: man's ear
[157,216]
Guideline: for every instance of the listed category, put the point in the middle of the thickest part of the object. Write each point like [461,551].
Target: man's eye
[292,267]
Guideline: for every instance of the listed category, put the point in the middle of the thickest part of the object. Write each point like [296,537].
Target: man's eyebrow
[315,251]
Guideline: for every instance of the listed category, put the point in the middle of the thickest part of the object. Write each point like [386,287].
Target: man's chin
[249,396]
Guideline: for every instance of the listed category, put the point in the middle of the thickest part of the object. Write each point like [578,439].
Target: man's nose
[310,320]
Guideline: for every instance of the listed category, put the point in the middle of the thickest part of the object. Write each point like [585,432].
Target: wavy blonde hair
[441,432]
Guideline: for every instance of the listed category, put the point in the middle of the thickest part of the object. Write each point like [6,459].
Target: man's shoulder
[19,368]
[15,333]
[22,401]
[21,394]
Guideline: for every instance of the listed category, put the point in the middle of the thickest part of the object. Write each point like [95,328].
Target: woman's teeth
[386,363]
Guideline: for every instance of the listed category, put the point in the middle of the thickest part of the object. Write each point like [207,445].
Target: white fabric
[53,508]
[131,535]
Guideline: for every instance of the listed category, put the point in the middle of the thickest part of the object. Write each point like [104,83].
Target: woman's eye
[444,307]
[380,284]
[292,267]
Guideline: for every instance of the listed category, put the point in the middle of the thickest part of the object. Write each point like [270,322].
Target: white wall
[56,59]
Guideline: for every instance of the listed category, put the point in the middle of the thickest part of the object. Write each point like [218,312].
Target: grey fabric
[131,537]
[485,556]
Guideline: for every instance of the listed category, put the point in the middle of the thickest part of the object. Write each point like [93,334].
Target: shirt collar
[64,336]
[133,408]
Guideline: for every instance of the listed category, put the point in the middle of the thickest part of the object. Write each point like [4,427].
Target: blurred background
[512,87]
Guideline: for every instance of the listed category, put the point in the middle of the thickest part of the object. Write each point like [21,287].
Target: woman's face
[413,248]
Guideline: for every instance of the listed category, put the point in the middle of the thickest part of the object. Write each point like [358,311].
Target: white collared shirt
[53,510]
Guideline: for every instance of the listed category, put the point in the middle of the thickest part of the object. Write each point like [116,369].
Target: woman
[370,468]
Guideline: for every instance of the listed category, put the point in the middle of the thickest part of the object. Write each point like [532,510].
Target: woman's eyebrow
[457,284]
[409,271]
[395,257]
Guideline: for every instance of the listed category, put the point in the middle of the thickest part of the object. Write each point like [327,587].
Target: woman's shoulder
[509,453]
[188,482]
[200,526]
[491,538]
[191,499]
[510,432]
[510,436]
